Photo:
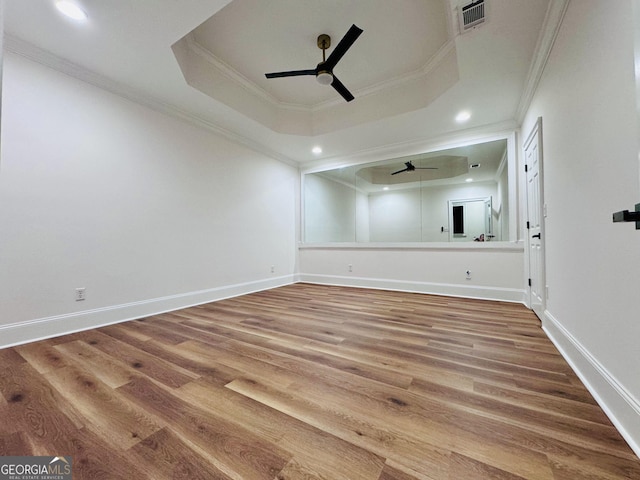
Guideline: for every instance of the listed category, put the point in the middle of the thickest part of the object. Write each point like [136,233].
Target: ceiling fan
[324,70]
[409,167]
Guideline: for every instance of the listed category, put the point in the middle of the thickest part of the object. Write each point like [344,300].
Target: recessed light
[385,188]
[469,180]
[71,10]
[463,116]
[316,150]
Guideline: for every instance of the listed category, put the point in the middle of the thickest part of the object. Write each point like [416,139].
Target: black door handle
[537,235]
[627,216]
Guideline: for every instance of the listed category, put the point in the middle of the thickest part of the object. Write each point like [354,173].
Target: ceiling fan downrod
[324,42]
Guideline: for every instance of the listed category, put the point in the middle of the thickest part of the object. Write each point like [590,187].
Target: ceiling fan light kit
[324,70]
[324,78]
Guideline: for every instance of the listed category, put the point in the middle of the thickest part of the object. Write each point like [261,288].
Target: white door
[535,219]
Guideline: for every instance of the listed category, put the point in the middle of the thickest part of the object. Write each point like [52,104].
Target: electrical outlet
[80,294]
[350,267]
[468,272]
[273,269]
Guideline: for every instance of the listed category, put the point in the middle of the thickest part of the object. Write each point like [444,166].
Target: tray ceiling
[411,71]
[405,48]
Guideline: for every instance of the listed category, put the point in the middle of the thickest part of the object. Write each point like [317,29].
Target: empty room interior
[420,264]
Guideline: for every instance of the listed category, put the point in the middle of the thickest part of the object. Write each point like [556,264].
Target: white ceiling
[227,56]
[126,47]
[255,37]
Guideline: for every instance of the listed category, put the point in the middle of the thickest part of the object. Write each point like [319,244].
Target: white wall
[496,272]
[586,99]
[330,210]
[1,54]
[408,249]
[145,211]
[363,227]
[398,258]
[418,214]
[336,212]
[395,216]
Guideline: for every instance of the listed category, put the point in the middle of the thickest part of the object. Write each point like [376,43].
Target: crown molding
[235,76]
[485,133]
[31,52]
[502,166]
[546,39]
[252,88]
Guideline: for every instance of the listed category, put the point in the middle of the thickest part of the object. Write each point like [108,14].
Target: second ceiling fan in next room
[324,70]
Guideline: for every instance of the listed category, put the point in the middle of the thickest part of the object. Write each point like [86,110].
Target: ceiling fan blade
[338,52]
[400,171]
[341,89]
[293,73]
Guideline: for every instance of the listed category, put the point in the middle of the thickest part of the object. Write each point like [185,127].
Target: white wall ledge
[447,246]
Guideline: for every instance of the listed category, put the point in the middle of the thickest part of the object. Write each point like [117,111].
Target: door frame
[451,204]
[536,134]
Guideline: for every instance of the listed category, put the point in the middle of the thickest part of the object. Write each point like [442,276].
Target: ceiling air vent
[471,15]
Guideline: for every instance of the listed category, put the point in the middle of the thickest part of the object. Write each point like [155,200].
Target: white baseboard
[54,326]
[450,290]
[622,408]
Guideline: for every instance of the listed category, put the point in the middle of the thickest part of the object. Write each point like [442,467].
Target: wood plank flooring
[311,382]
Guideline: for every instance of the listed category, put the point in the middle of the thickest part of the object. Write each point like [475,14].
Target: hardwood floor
[311,382]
